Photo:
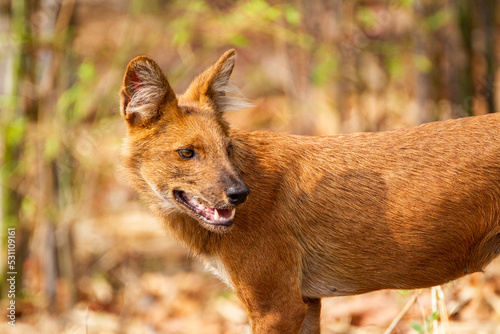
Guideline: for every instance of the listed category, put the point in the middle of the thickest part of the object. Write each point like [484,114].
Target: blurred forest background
[91,259]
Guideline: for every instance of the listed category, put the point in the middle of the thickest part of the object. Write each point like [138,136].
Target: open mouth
[212,216]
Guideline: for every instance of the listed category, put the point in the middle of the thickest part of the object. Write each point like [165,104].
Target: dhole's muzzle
[215,217]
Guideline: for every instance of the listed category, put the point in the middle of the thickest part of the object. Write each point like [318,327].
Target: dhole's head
[178,152]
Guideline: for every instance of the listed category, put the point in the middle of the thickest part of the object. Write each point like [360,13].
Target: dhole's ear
[145,89]
[212,86]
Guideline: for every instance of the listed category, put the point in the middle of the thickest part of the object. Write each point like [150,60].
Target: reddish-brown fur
[326,216]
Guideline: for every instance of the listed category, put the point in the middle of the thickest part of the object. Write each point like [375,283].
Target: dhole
[286,220]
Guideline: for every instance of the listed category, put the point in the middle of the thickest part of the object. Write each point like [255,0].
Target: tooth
[195,201]
[232,213]
[216,215]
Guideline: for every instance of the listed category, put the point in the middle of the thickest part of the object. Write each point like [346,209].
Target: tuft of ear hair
[145,89]
[212,86]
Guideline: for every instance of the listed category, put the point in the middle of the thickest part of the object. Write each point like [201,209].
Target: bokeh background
[89,256]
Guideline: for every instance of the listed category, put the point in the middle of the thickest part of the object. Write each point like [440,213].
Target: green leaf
[197,6]
[324,70]
[272,14]
[28,206]
[366,17]
[16,130]
[181,37]
[239,40]
[395,67]
[86,72]
[417,327]
[407,3]
[51,148]
[438,20]
[292,15]
[182,31]
[255,8]
[423,63]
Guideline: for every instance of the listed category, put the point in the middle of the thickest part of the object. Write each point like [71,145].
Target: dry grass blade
[443,313]
[403,311]
[87,320]
[435,324]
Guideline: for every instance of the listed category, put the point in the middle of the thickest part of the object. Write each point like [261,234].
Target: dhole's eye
[186,153]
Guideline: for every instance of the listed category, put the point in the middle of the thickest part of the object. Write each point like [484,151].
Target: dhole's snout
[236,189]
[214,206]
[237,195]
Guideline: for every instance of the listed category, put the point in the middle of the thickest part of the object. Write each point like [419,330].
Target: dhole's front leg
[292,317]
[268,317]
[280,310]
[271,294]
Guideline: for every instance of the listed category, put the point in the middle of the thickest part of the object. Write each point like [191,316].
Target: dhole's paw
[218,220]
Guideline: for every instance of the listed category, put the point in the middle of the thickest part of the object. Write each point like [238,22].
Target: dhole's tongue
[210,215]
[224,213]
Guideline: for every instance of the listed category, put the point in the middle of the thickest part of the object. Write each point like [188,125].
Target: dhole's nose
[237,195]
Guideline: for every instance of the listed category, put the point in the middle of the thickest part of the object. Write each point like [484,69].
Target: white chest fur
[217,268]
